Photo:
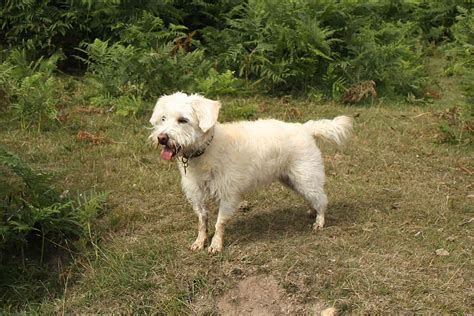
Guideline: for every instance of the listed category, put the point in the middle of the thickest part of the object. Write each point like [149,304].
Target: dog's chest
[203,176]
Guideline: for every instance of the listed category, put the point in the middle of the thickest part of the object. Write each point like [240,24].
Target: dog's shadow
[285,222]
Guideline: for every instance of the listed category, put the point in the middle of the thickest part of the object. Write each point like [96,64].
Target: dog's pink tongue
[166,153]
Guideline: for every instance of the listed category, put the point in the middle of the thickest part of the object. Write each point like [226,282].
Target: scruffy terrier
[223,161]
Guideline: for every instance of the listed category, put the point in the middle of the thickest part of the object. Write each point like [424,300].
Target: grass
[397,194]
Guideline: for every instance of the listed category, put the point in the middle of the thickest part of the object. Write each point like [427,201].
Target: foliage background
[141,49]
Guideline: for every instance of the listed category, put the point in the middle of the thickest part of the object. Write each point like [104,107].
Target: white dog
[223,161]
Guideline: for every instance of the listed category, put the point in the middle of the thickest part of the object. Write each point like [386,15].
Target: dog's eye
[163,118]
[182,120]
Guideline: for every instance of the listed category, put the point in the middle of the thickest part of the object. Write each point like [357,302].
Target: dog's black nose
[163,138]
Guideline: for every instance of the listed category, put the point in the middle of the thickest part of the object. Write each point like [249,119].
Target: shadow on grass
[284,222]
[26,283]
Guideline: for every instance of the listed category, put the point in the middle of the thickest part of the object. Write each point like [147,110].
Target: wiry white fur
[336,130]
[243,156]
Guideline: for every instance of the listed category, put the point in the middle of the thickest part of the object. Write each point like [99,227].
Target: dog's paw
[318,225]
[213,250]
[198,244]
[215,247]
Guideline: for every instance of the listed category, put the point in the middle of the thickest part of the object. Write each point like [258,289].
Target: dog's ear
[206,111]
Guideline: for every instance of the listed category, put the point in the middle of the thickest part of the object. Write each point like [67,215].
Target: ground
[398,236]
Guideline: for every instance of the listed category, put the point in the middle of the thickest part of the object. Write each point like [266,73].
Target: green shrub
[275,46]
[30,206]
[124,75]
[279,45]
[295,46]
[386,53]
[164,70]
[457,125]
[46,27]
[219,84]
[435,18]
[129,105]
[110,66]
[461,51]
[31,88]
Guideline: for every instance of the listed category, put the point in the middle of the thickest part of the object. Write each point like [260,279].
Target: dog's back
[252,153]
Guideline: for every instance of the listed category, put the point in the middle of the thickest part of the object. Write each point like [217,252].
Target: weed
[457,126]
[31,89]
[31,205]
[219,84]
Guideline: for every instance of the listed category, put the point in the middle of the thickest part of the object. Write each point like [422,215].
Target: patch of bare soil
[262,295]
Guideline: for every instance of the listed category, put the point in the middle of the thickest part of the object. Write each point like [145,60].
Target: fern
[275,43]
[30,205]
[32,91]
[461,51]
[385,54]
[215,84]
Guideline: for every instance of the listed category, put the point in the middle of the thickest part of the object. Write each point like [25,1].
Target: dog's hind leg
[307,179]
[319,202]
[226,209]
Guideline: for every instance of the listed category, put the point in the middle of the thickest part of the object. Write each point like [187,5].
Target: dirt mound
[262,295]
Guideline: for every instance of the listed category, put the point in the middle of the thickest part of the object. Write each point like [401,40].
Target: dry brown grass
[396,196]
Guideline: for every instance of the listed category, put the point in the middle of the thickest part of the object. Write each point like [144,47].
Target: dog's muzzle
[169,150]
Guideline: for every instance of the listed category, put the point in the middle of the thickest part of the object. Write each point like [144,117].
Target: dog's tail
[336,130]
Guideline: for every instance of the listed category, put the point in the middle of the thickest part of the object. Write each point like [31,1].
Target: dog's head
[181,122]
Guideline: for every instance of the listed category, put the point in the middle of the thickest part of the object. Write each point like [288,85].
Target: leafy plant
[335,83]
[111,66]
[218,84]
[457,126]
[30,87]
[386,53]
[125,76]
[461,51]
[275,43]
[31,206]
[129,105]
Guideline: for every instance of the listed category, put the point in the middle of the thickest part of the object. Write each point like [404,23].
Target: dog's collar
[199,151]
[185,158]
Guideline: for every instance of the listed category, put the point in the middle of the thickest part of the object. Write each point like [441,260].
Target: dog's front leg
[200,241]
[226,209]
[196,197]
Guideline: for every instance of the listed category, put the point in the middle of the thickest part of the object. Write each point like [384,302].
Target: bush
[147,48]
[387,54]
[126,76]
[30,87]
[219,84]
[32,209]
[457,125]
[279,45]
[461,51]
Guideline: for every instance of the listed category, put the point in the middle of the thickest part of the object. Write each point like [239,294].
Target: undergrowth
[37,222]
[139,51]
[458,120]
